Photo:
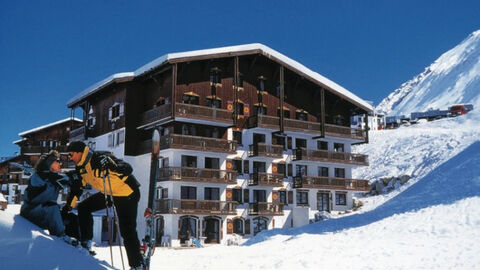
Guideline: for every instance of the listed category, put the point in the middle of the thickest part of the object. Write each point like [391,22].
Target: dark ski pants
[127,219]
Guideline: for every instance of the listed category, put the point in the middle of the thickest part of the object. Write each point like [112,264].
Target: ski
[148,242]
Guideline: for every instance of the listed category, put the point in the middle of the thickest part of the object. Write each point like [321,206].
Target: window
[237,166]
[321,145]
[259,224]
[301,170]
[212,194]
[189,130]
[213,102]
[188,193]
[301,115]
[189,161]
[91,121]
[259,167]
[120,137]
[190,98]
[289,142]
[258,138]
[165,162]
[237,136]
[323,171]
[282,196]
[259,195]
[164,193]
[261,83]
[115,111]
[260,110]
[340,172]
[212,163]
[339,147]
[286,113]
[323,201]
[239,108]
[238,226]
[340,199]
[237,195]
[246,166]
[302,197]
[111,140]
[215,76]
[300,143]
[282,169]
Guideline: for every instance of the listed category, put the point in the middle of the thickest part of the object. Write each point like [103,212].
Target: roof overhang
[230,51]
[21,134]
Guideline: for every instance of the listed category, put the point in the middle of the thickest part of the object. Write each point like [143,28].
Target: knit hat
[76,146]
[45,161]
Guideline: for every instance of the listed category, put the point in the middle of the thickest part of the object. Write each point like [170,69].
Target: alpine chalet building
[250,140]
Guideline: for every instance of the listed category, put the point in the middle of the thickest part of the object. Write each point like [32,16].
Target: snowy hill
[453,78]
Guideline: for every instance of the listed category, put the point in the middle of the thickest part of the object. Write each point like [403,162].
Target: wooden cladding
[184,206]
[330,156]
[331,183]
[203,113]
[198,143]
[197,175]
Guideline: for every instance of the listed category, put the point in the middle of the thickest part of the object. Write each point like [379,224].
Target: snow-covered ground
[433,222]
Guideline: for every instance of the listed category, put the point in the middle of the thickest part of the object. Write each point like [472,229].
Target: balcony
[77,134]
[198,143]
[331,183]
[210,114]
[196,207]
[345,132]
[265,209]
[329,156]
[34,149]
[265,150]
[272,122]
[155,115]
[266,179]
[197,175]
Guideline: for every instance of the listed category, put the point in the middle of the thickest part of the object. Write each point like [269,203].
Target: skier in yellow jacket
[91,166]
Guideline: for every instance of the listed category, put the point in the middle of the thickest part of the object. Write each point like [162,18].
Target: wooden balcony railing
[266,150]
[330,156]
[345,132]
[155,114]
[272,122]
[198,143]
[31,149]
[197,175]
[331,183]
[266,179]
[182,206]
[203,113]
[77,134]
[265,209]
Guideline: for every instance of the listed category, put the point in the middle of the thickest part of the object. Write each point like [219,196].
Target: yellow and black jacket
[122,181]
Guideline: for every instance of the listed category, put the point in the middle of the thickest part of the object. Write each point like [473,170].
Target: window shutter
[110,113]
[275,196]
[121,109]
[229,226]
[110,140]
[229,194]
[290,169]
[290,197]
[247,226]
[229,165]
[274,168]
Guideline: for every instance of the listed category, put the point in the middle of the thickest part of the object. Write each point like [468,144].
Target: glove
[107,163]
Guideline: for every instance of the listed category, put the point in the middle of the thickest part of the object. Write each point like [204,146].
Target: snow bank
[25,246]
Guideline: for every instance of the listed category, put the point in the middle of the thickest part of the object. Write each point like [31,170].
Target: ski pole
[115,220]
[108,218]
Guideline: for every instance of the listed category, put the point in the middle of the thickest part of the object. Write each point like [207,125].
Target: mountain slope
[453,78]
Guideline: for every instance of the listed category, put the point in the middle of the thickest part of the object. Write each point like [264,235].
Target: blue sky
[52,50]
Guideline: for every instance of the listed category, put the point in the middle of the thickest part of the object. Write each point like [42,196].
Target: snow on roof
[19,141]
[46,126]
[239,48]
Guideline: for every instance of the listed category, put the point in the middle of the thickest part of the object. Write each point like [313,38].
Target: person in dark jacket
[92,166]
[40,197]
